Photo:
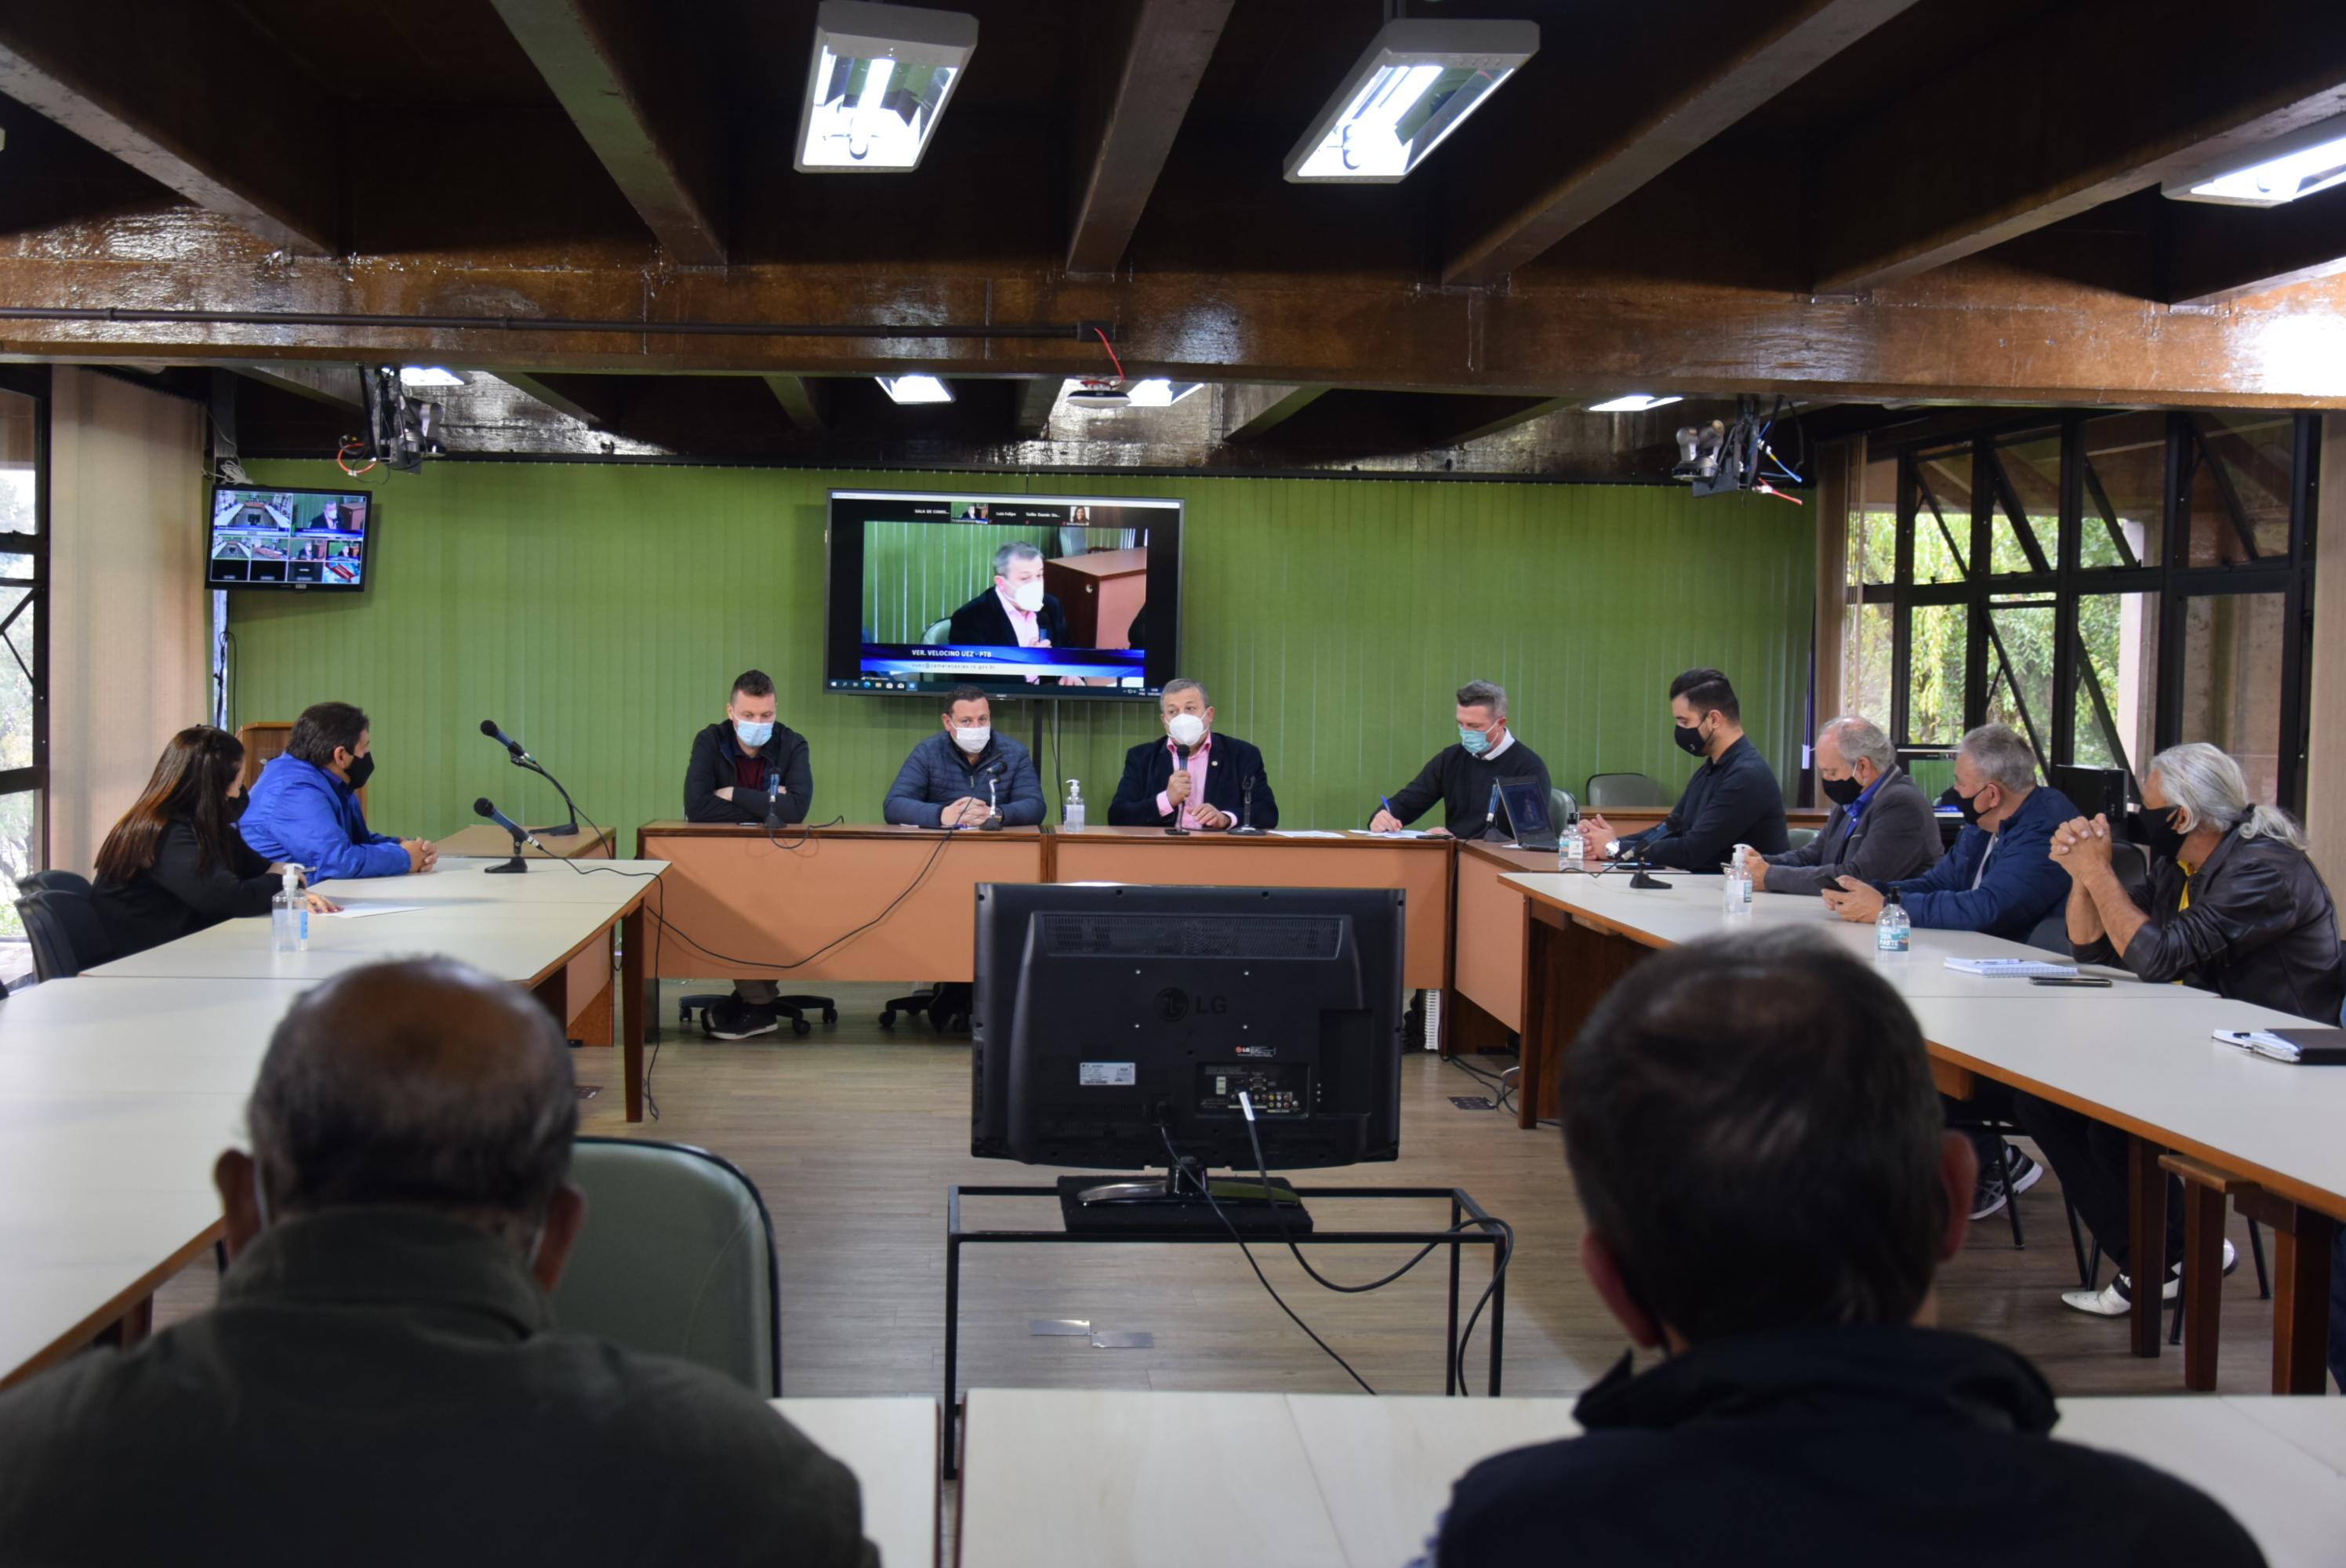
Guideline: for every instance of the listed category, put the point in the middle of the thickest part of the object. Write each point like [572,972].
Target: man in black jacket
[2235,906]
[1464,778]
[1198,777]
[1733,798]
[753,770]
[383,1380]
[1013,612]
[1755,1142]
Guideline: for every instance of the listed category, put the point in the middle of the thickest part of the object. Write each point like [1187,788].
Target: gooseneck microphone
[521,835]
[520,757]
[489,727]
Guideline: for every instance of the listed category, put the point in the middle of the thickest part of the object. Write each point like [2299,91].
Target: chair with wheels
[794,1008]
[946,1004]
[677,1259]
[1609,789]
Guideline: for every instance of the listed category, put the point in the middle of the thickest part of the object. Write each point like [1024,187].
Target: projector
[1733,455]
[1099,395]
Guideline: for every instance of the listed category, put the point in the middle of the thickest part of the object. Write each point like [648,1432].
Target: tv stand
[1179,1202]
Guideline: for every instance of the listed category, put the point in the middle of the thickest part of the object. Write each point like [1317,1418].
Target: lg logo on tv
[1174,1004]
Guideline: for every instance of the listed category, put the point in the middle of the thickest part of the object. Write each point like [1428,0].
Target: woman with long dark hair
[175,863]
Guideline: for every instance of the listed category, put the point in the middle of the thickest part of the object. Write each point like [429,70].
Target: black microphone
[489,727]
[521,835]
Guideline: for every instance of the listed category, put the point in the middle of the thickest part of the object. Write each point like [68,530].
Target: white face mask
[1186,729]
[973,739]
[1028,596]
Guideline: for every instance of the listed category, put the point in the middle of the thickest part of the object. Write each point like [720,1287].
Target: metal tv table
[1464,1212]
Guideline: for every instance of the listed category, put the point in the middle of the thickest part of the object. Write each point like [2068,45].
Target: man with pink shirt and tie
[1014,613]
[1193,779]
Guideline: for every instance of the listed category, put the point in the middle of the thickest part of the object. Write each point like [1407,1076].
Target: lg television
[1115,1027]
[271,536]
[1024,595]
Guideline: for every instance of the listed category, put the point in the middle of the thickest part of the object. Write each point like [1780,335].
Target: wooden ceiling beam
[2212,255]
[2086,104]
[336,386]
[1143,68]
[625,73]
[1663,103]
[1035,397]
[804,400]
[598,400]
[1254,411]
[156,83]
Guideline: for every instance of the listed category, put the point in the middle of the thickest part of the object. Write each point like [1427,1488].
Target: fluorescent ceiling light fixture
[1633,402]
[1416,84]
[915,388]
[1156,393]
[878,84]
[2294,166]
[428,376]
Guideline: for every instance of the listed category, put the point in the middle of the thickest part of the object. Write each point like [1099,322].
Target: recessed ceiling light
[1417,82]
[2293,165]
[915,389]
[1153,392]
[428,376]
[878,84]
[1632,402]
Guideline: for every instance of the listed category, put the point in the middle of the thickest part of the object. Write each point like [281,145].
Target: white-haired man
[1882,829]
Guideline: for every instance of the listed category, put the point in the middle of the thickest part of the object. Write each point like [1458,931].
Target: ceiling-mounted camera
[1734,454]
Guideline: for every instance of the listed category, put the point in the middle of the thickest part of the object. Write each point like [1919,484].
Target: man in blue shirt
[967,775]
[304,807]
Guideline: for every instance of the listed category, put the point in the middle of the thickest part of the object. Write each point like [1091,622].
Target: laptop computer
[1523,803]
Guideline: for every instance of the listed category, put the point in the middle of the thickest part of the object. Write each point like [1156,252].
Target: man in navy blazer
[1193,778]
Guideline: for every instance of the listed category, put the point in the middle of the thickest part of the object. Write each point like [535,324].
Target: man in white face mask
[1014,613]
[1193,779]
[967,775]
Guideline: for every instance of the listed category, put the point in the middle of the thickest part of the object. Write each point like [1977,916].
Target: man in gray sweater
[1880,829]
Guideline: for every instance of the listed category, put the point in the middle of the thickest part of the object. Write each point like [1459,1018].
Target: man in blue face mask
[748,770]
[1465,778]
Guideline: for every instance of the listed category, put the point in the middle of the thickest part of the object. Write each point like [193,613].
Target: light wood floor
[853,1133]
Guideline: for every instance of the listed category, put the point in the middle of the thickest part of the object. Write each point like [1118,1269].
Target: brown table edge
[70,1343]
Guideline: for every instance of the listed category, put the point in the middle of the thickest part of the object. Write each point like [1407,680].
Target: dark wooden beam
[625,73]
[803,398]
[160,85]
[336,386]
[1653,103]
[1254,411]
[1036,396]
[1142,69]
[600,401]
[2213,254]
[1496,416]
[2086,104]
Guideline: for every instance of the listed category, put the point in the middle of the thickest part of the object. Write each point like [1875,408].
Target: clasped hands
[2080,845]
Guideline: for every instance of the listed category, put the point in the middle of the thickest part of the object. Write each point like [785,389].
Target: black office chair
[54,881]
[63,932]
[794,1008]
[946,1004]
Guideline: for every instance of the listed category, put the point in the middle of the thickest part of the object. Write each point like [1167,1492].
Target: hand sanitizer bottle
[1071,815]
[289,914]
[1892,931]
[1570,847]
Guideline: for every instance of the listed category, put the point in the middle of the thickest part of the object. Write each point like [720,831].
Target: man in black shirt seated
[1465,778]
[1755,1142]
[383,1382]
[749,769]
[1731,799]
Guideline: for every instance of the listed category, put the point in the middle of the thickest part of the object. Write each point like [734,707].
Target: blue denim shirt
[301,813]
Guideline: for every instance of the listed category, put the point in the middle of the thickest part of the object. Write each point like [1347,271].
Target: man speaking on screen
[1014,612]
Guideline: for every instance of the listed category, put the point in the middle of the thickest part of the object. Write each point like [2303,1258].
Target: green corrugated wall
[599,612]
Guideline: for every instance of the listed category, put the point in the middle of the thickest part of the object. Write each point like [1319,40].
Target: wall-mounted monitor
[1032,596]
[270,536]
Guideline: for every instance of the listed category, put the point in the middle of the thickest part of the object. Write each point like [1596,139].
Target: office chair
[63,932]
[55,881]
[676,1261]
[938,631]
[1563,810]
[1798,838]
[946,1004]
[1622,790]
[794,1008]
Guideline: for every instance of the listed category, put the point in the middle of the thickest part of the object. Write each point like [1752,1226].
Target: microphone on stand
[1246,807]
[489,727]
[521,835]
[992,823]
[522,758]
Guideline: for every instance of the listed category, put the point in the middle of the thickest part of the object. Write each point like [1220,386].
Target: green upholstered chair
[1622,790]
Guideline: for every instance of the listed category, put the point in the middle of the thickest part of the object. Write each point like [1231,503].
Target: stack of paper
[2009,968]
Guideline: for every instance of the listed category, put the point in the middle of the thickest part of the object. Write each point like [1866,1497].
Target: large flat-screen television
[1026,595]
[1111,1021]
[272,536]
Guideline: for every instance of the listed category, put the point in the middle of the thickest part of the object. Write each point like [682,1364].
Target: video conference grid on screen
[1065,596]
[277,538]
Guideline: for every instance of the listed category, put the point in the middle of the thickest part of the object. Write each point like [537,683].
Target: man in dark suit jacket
[1014,613]
[1882,829]
[1207,787]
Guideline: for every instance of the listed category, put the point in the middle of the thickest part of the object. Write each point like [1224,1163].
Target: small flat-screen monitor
[1022,596]
[1109,1020]
[270,536]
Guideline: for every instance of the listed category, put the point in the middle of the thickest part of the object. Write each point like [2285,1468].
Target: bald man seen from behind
[383,1380]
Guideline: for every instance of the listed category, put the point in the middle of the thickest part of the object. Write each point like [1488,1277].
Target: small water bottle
[1570,847]
[1892,931]
[1736,897]
[1071,815]
[289,914]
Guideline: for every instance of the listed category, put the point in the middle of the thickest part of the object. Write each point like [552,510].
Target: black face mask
[236,805]
[1970,807]
[1690,741]
[1842,791]
[2160,831]
[361,769]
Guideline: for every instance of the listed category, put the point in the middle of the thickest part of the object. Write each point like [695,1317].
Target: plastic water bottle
[1570,847]
[1736,897]
[289,914]
[1071,815]
[1892,931]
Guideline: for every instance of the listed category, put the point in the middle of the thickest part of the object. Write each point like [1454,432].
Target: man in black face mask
[1881,827]
[1733,798]
[304,807]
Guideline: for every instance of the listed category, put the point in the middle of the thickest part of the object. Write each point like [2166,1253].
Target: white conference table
[115,1097]
[891,1444]
[1093,1479]
[2135,1056]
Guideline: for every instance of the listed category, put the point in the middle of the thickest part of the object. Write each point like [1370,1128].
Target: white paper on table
[1396,833]
[1303,833]
[361,912]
